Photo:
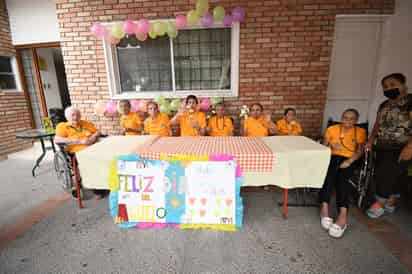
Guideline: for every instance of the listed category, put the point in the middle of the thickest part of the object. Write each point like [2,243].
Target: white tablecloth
[298,161]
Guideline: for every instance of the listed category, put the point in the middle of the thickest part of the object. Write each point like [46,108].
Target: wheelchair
[67,172]
[362,178]
[362,181]
[63,167]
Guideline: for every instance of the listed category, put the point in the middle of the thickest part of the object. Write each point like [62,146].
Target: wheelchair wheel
[365,187]
[62,167]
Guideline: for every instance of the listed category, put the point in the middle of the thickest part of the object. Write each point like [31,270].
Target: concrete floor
[71,240]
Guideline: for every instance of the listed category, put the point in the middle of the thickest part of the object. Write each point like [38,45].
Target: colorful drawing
[191,194]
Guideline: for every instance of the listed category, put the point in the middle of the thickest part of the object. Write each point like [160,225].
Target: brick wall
[285,49]
[14,115]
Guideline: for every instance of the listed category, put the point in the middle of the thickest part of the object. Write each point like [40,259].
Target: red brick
[285,49]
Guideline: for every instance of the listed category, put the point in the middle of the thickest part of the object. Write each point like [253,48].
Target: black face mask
[391,93]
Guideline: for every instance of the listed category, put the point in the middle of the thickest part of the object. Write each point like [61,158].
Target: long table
[298,162]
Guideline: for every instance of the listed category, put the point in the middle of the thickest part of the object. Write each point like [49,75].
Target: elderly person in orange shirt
[258,124]
[157,123]
[77,134]
[346,141]
[129,121]
[289,125]
[192,122]
[220,125]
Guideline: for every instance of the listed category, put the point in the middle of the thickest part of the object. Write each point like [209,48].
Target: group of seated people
[193,122]
[390,138]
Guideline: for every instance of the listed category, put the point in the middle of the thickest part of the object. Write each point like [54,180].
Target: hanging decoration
[207,20]
[144,28]
[218,13]
[181,22]
[111,107]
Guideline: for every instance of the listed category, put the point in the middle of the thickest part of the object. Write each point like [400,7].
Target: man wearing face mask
[392,133]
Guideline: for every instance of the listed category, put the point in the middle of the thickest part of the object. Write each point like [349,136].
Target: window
[7,79]
[203,62]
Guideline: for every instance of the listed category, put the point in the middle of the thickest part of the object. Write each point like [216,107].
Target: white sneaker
[326,222]
[336,231]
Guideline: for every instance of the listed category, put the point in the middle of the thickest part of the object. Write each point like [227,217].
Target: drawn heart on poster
[228,202]
[202,213]
[203,201]
[192,201]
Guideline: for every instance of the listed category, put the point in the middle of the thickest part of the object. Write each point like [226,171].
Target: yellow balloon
[192,17]
[159,28]
[202,7]
[117,31]
[171,30]
[218,13]
[152,34]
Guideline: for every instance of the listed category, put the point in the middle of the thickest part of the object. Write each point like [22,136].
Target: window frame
[113,75]
[14,73]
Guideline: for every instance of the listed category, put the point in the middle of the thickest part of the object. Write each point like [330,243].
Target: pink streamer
[227,157]
[155,225]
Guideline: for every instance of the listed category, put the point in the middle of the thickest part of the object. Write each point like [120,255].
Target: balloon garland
[144,28]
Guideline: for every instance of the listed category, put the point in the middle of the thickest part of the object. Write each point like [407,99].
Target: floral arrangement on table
[144,28]
[244,112]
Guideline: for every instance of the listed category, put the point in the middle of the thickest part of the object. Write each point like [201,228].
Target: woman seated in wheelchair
[76,134]
[346,141]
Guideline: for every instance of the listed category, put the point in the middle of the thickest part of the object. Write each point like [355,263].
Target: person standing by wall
[392,137]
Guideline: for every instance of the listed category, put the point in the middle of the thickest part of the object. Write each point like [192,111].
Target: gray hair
[69,110]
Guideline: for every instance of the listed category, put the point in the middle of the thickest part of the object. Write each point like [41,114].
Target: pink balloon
[181,21]
[207,20]
[98,30]
[227,21]
[143,26]
[141,36]
[111,107]
[205,104]
[100,107]
[238,14]
[135,105]
[129,27]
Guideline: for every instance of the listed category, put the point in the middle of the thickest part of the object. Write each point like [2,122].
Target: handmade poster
[200,192]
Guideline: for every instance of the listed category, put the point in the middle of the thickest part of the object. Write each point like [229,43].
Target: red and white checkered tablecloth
[252,153]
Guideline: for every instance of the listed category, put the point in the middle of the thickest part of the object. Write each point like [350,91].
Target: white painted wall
[396,51]
[33,21]
[49,79]
[354,60]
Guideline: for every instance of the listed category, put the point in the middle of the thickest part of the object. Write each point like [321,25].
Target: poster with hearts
[209,199]
[189,194]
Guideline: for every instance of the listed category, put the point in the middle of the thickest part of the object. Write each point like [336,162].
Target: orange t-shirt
[81,132]
[158,126]
[286,128]
[349,139]
[186,128]
[257,127]
[220,126]
[131,120]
